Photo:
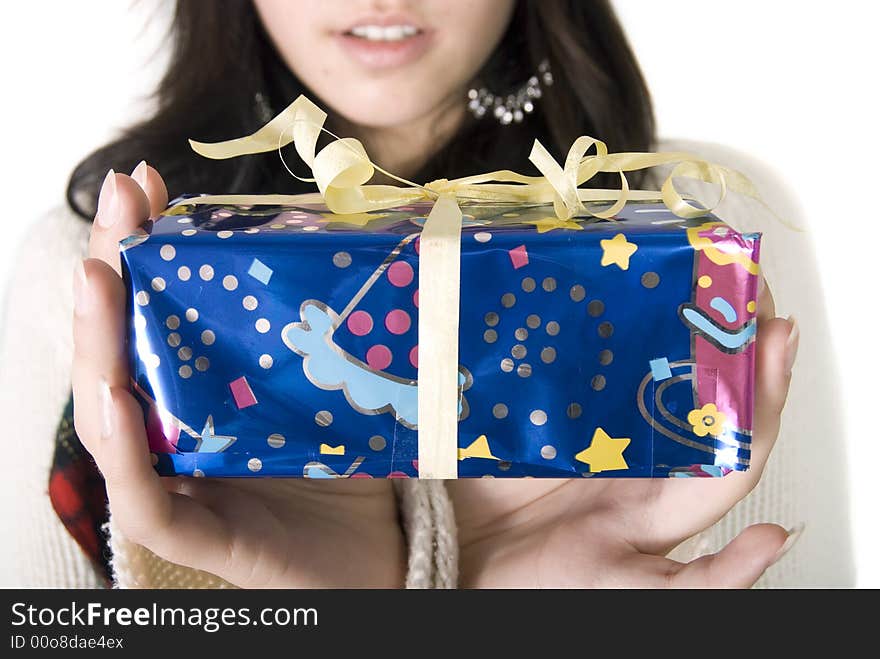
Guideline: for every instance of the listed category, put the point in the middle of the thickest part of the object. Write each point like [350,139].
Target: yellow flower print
[707,420]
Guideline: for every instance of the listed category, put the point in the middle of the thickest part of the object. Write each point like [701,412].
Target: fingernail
[794,534]
[791,344]
[81,293]
[139,174]
[108,416]
[107,202]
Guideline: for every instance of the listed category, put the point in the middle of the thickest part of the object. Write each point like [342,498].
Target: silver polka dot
[606,357]
[223,235]
[185,354]
[528,284]
[266,361]
[518,351]
[491,319]
[596,308]
[552,328]
[482,236]
[549,284]
[192,315]
[311,228]
[574,411]
[249,302]
[507,364]
[172,322]
[142,298]
[521,334]
[548,355]
[508,300]
[183,273]
[499,411]
[140,322]
[577,293]
[342,259]
[533,321]
[158,284]
[324,418]
[490,336]
[377,442]
[189,232]
[185,220]
[548,452]
[174,339]
[262,325]
[230,282]
[198,473]
[255,464]
[538,417]
[605,329]
[206,272]
[524,370]
[202,363]
[252,230]
[185,371]
[208,337]
[152,361]
[598,382]
[276,440]
[167,252]
[650,280]
[504,465]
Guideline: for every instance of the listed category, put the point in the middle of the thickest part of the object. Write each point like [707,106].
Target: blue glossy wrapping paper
[272,341]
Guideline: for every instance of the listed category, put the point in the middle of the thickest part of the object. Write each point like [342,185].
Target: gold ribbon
[341,171]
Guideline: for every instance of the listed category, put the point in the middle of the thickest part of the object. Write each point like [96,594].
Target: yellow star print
[617,250]
[479,448]
[549,223]
[356,219]
[604,453]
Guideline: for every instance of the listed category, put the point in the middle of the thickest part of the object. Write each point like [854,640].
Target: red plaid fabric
[77,492]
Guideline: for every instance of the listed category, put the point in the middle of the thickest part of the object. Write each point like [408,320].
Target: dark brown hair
[221,45]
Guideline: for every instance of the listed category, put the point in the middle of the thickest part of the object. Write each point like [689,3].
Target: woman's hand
[608,532]
[250,532]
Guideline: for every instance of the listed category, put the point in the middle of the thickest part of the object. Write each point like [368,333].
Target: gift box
[283,340]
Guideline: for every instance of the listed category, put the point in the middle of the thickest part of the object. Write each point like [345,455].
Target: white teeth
[384,33]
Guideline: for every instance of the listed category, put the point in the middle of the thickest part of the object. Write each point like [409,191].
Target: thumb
[742,562]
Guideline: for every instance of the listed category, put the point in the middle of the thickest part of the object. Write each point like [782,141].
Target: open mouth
[380,33]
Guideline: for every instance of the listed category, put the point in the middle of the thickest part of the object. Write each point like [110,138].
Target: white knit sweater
[804,480]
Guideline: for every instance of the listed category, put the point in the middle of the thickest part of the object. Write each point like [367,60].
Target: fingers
[172,526]
[153,186]
[124,204]
[99,342]
[777,344]
[738,565]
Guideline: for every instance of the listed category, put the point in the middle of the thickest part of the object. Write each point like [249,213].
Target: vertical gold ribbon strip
[439,293]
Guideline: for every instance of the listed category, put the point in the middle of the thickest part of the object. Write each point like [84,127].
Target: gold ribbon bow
[342,170]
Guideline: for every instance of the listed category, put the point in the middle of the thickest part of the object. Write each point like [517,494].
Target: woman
[396,75]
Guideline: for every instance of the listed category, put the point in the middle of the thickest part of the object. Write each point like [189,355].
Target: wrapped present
[274,336]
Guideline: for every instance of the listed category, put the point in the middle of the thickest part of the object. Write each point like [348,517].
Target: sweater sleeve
[35,363]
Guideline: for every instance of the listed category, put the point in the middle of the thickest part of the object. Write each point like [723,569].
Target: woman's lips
[381,54]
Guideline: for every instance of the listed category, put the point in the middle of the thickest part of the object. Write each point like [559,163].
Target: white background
[790,83]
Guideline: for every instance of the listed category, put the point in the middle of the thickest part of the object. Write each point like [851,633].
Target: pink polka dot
[360,323]
[414,356]
[418,245]
[379,357]
[416,298]
[400,273]
[397,321]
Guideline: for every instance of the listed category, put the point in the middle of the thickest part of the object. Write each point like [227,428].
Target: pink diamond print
[242,393]
[519,257]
